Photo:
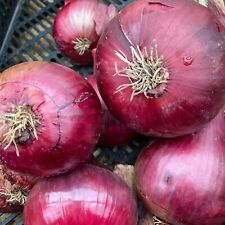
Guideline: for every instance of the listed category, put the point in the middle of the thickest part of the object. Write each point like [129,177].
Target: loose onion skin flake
[50,118]
[14,189]
[88,195]
[161,67]
[182,180]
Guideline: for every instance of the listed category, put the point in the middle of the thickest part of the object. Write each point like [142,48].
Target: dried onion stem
[145,73]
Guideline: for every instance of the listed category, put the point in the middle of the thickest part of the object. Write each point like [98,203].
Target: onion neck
[82,45]
[21,126]
[146,73]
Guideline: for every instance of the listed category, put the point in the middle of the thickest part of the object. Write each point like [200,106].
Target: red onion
[14,188]
[77,28]
[161,67]
[182,180]
[113,132]
[50,118]
[88,195]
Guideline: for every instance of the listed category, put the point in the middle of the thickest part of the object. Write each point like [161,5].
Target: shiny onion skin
[88,195]
[182,180]
[14,189]
[184,41]
[113,132]
[66,112]
[77,28]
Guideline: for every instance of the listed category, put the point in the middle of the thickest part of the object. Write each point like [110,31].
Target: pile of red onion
[159,71]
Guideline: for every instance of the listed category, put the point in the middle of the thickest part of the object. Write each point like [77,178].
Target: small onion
[182,180]
[14,189]
[88,195]
[113,132]
[77,28]
[160,67]
[50,118]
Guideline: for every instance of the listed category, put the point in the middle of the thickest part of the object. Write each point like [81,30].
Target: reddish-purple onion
[161,66]
[113,132]
[78,26]
[14,189]
[182,181]
[88,195]
[50,118]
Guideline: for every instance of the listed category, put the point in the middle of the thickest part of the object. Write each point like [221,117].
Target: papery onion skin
[67,108]
[10,183]
[88,195]
[77,20]
[182,180]
[113,132]
[188,37]
[218,8]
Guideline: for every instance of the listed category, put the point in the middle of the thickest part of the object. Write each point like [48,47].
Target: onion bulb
[182,180]
[78,26]
[50,118]
[88,195]
[160,67]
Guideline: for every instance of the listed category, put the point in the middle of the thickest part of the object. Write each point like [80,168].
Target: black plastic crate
[26,31]
[26,35]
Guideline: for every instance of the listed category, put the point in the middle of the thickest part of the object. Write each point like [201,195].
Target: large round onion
[50,118]
[88,195]
[182,181]
[14,189]
[113,132]
[78,26]
[161,66]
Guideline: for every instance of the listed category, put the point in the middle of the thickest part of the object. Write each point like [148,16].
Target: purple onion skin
[113,132]
[88,195]
[194,93]
[182,181]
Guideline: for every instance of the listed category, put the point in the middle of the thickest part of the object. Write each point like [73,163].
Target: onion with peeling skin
[88,195]
[182,180]
[50,117]
[78,26]
[160,67]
